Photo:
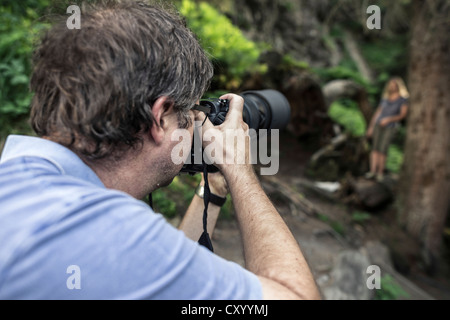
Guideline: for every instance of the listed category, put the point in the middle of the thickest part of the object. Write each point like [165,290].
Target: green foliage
[346,113]
[291,62]
[18,30]
[175,198]
[232,54]
[339,72]
[335,225]
[386,56]
[394,159]
[338,227]
[360,216]
[390,290]
[163,204]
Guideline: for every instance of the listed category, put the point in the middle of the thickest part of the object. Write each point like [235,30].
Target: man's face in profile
[170,169]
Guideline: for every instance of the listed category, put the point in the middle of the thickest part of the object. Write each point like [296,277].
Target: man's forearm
[192,223]
[270,249]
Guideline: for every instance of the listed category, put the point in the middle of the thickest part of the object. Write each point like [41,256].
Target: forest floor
[325,236]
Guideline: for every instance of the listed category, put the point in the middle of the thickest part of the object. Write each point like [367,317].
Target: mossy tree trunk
[425,185]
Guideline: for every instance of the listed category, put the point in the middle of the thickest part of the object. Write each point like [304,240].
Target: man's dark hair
[94,87]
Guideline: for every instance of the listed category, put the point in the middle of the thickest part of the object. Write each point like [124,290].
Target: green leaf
[233,54]
[19,79]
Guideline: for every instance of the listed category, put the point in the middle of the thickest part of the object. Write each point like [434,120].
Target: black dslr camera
[263,109]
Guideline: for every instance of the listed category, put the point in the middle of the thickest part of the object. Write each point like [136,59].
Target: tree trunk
[353,50]
[425,185]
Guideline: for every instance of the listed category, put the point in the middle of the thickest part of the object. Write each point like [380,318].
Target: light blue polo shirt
[63,235]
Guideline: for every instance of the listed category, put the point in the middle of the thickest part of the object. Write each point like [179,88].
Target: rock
[372,194]
[366,193]
[379,254]
[349,278]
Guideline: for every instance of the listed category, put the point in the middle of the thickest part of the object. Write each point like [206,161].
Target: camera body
[219,110]
[263,109]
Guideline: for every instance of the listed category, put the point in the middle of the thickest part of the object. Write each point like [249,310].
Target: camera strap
[205,240]
[150,200]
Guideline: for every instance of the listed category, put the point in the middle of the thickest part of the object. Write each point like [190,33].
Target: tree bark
[425,183]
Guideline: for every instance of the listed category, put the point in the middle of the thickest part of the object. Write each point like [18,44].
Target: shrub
[232,54]
[19,27]
[390,289]
[347,114]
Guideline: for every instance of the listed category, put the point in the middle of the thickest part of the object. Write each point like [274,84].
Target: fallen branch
[335,142]
[297,201]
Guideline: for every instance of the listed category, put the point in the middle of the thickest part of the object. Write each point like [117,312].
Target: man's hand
[234,158]
[217,184]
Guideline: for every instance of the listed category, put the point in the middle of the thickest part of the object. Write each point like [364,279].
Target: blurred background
[331,59]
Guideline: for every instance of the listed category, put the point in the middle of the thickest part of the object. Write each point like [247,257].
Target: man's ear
[161,105]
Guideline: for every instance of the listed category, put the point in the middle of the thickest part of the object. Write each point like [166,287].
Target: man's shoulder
[35,198]
[36,178]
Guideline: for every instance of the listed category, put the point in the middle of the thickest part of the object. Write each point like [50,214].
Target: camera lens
[266,109]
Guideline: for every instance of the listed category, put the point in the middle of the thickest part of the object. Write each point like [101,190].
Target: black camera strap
[205,240]
[150,200]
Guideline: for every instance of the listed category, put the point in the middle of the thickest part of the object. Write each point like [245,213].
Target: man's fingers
[236,107]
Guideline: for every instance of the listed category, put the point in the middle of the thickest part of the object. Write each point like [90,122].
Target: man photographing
[107,98]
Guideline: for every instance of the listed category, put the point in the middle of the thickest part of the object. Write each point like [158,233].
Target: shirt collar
[66,161]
